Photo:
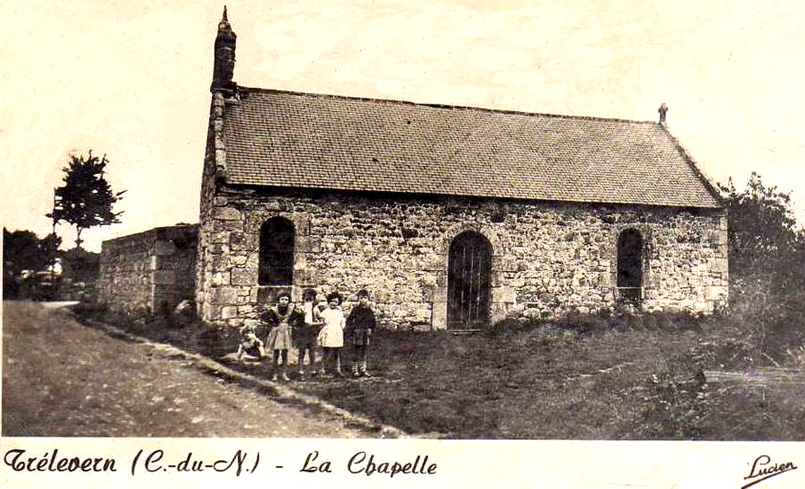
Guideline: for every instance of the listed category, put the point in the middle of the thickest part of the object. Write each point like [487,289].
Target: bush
[765,321]
[677,401]
[767,271]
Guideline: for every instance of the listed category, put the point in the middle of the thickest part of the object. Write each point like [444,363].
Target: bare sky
[131,79]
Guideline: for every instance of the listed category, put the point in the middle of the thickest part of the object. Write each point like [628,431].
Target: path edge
[276,390]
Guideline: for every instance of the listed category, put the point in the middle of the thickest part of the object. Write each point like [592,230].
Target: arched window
[630,264]
[276,252]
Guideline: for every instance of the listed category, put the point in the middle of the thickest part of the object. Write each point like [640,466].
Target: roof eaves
[385,193]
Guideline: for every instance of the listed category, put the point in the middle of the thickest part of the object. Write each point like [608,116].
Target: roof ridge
[446,106]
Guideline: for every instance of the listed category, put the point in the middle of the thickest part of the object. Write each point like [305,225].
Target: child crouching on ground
[250,344]
[360,323]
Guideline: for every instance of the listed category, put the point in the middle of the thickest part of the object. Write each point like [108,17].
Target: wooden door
[469,269]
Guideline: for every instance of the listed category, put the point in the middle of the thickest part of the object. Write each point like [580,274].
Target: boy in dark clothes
[360,323]
[305,332]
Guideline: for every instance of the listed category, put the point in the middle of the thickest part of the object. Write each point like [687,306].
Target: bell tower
[224,64]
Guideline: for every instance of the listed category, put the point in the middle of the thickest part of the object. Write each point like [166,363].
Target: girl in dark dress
[279,320]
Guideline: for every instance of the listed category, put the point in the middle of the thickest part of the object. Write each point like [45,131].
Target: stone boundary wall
[150,271]
[548,258]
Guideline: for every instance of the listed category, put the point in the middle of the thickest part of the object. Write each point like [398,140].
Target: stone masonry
[150,271]
[548,258]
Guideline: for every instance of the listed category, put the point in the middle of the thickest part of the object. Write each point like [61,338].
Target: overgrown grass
[581,377]
[190,335]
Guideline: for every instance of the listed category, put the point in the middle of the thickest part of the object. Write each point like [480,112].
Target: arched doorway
[468,281]
[630,266]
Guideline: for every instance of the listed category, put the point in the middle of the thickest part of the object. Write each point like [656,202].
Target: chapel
[451,217]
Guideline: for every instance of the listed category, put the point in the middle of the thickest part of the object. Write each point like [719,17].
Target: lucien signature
[763,468]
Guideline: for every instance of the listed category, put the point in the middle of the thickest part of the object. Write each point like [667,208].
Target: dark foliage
[767,272]
[86,199]
[24,251]
[762,229]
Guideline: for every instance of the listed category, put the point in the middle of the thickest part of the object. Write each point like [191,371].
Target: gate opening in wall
[468,281]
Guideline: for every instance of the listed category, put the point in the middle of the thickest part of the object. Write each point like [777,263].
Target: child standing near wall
[278,319]
[360,323]
[305,331]
[331,336]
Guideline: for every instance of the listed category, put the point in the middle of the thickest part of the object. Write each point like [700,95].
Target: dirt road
[63,379]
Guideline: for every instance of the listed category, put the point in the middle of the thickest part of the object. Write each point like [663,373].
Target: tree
[762,228]
[23,250]
[767,270]
[49,246]
[86,199]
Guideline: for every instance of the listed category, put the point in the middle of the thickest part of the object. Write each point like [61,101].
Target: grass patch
[581,377]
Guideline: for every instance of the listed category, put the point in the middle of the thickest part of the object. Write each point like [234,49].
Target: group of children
[310,327]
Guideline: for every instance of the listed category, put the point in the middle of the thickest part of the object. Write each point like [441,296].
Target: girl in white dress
[331,336]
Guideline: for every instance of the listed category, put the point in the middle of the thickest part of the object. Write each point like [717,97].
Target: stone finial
[225,33]
[224,24]
[662,110]
[224,67]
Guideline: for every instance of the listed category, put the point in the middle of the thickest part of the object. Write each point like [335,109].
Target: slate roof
[288,139]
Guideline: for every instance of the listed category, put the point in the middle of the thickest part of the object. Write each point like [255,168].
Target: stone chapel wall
[548,259]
